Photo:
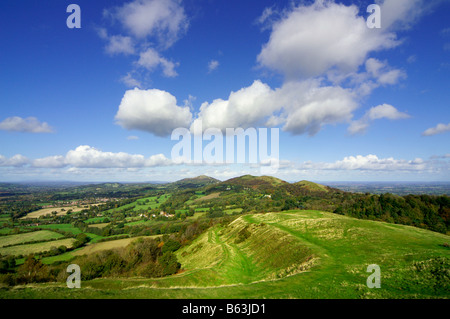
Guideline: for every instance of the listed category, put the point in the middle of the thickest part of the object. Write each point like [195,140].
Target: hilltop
[195,182]
[314,187]
[271,185]
[255,181]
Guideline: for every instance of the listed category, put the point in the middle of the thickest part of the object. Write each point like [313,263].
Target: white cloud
[308,44]
[382,73]
[85,156]
[120,44]
[244,108]
[117,44]
[28,125]
[401,14]
[132,138]
[57,161]
[438,129]
[145,23]
[157,160]
[150,59]
[212,65]
[311,40]
[384,111]
[153,111]
[300,107]
[162,19]
[15,161]
[265,16]
[308,106]
[130,81]
[369,163]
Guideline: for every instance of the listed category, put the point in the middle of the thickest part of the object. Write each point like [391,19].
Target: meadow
[11,240]
[107,245]
[35,248]
[60,211]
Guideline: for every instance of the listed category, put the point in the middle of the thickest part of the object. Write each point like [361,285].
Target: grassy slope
[295,254]
[312,186]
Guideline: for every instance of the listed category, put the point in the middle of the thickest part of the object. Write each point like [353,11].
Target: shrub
[169,263]
[170,246]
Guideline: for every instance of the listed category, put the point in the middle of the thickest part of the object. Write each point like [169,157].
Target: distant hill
[195,182]
[264,183]
[255,181]
[313,187]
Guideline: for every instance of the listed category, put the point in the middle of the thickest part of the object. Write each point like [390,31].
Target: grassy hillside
[195,182]
[255,181]
[314,187]
[292,254]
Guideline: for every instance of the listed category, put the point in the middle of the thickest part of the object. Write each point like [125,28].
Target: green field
[293,254]
[65,227]
[110,244]
[28,237]
[95,220]
[5,231]
[36,248]
[141,204]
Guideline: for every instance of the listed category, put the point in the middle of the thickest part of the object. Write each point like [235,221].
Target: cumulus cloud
[299,107]
[244,108]
[401,14]
[85,156]
[438,129]
[15,161]
[153,111]
[310,40]
[308,106]
[163,19]
[382,73]
[312,46]
[28,125]
[148,27]
[117,44]
[384,111]
[151,59]
[57,161]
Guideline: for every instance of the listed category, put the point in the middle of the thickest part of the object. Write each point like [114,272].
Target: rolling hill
[313,187]
[255,181]
[292,254]
[195,182]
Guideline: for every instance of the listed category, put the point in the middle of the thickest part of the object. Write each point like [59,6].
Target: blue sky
[99,103]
